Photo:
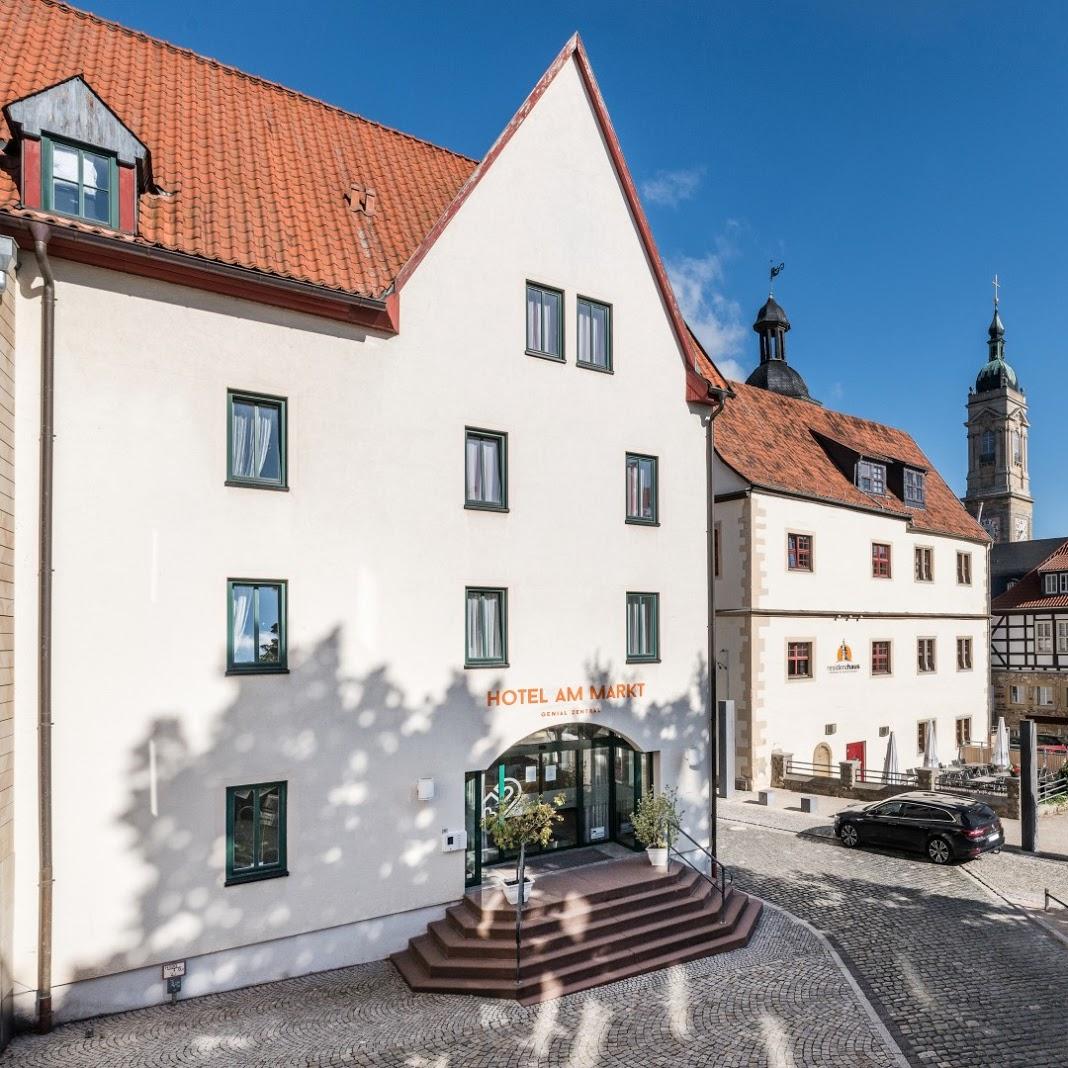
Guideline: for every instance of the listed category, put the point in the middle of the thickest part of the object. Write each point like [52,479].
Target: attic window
[871,477]
[79,182]
[914,487]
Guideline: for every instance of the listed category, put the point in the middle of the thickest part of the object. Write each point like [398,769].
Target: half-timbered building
[1029,647]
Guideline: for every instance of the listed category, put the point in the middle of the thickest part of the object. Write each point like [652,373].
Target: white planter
[657,857]
[511,890]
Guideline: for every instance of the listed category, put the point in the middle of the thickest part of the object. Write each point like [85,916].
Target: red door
[855,751]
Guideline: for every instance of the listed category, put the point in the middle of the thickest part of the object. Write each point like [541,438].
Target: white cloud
[670,188]
[714,318]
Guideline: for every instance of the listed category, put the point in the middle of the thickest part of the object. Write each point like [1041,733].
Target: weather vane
[773,272]
[996,288]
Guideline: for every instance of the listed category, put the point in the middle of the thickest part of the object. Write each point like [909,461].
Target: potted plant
[655,823]
[528,822]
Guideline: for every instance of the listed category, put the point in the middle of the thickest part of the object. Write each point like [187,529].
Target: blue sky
[895,155]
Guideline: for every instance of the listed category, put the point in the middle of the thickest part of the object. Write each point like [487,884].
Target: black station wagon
[944,826]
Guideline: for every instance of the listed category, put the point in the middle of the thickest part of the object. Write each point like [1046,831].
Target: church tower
[999,487]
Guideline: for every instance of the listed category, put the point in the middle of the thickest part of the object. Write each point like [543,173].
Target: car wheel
[939,850]
[849,835]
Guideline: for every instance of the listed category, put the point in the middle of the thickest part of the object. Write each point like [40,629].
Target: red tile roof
[208,125]
[252,174]
[1056,561]
[773,441]
[1027,593]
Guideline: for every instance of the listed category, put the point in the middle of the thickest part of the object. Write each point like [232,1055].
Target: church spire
[996,333]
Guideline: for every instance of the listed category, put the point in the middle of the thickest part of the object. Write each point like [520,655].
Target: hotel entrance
[600,775]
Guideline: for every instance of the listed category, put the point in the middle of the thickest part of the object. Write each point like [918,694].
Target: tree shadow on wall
[349,825]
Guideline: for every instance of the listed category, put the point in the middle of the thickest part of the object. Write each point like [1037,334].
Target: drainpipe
[41,235]
[710,654]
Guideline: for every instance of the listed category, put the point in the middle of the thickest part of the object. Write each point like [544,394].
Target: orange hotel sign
[538,695]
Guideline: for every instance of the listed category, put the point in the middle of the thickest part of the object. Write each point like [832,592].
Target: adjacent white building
[379,489]
[851,584]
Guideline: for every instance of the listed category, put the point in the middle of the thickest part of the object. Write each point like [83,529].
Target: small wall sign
[174,969]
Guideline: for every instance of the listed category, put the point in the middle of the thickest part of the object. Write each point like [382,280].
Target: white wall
[377,548]
[840,600]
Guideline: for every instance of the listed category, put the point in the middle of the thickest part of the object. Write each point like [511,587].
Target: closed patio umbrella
[890,766]
[1001,745]
[930,752]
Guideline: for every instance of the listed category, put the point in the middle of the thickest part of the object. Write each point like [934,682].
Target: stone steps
[618,920]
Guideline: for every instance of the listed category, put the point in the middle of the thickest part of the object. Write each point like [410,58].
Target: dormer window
[1056,583]
[871,477]
[79,182]
[78,158]
[914,487]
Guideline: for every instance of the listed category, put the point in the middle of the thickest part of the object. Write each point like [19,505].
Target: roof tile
[204,123]
[772,441]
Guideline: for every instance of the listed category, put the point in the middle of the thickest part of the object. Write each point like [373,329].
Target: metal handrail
[1052,897]
[721,883]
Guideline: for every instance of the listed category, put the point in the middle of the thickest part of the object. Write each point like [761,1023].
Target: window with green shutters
[255,832]
[257,622]
[486,627]
[80,182]
[486,470]
[643,627]
[545,322]
[642,503]
[256,440]
[594,335]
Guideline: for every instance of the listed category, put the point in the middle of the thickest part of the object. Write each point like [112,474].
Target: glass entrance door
[599,775]
[559,777]
[597,795]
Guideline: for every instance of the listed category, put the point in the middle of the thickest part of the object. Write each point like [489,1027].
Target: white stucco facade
[762,606]
[376,547]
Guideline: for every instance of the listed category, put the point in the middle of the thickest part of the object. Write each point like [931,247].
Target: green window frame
[643,628]
[485,450]
[87,192]
[252,852]
[248,606]
[588,313]
[643,489]
[485,626]
[545,338]
[252,419]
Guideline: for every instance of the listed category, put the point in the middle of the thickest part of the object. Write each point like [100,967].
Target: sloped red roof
[1027,593]
[250,173]
[1056,561]
[773,441]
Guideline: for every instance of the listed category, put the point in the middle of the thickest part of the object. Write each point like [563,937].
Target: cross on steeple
[996,288]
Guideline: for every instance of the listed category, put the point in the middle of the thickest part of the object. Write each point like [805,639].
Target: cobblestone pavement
[962,979]
[783,1002]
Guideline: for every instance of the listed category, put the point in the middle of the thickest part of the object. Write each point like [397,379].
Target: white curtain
[491,632]
[243,438]
[533,320]
[483,626]
[265,418]
[637,628]
[585,349]
[599,337]
[632,488]
[242,623]
[484,470]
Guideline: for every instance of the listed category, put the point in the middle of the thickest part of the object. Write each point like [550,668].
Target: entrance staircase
[581,928]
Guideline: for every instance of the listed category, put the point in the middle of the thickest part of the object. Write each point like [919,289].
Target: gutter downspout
[710,653]
[41,235]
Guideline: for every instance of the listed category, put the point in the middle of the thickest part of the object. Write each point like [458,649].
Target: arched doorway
[821,759]
[599,773]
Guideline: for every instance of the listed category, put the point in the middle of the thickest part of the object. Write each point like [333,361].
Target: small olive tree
[529,822]
[656,819]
